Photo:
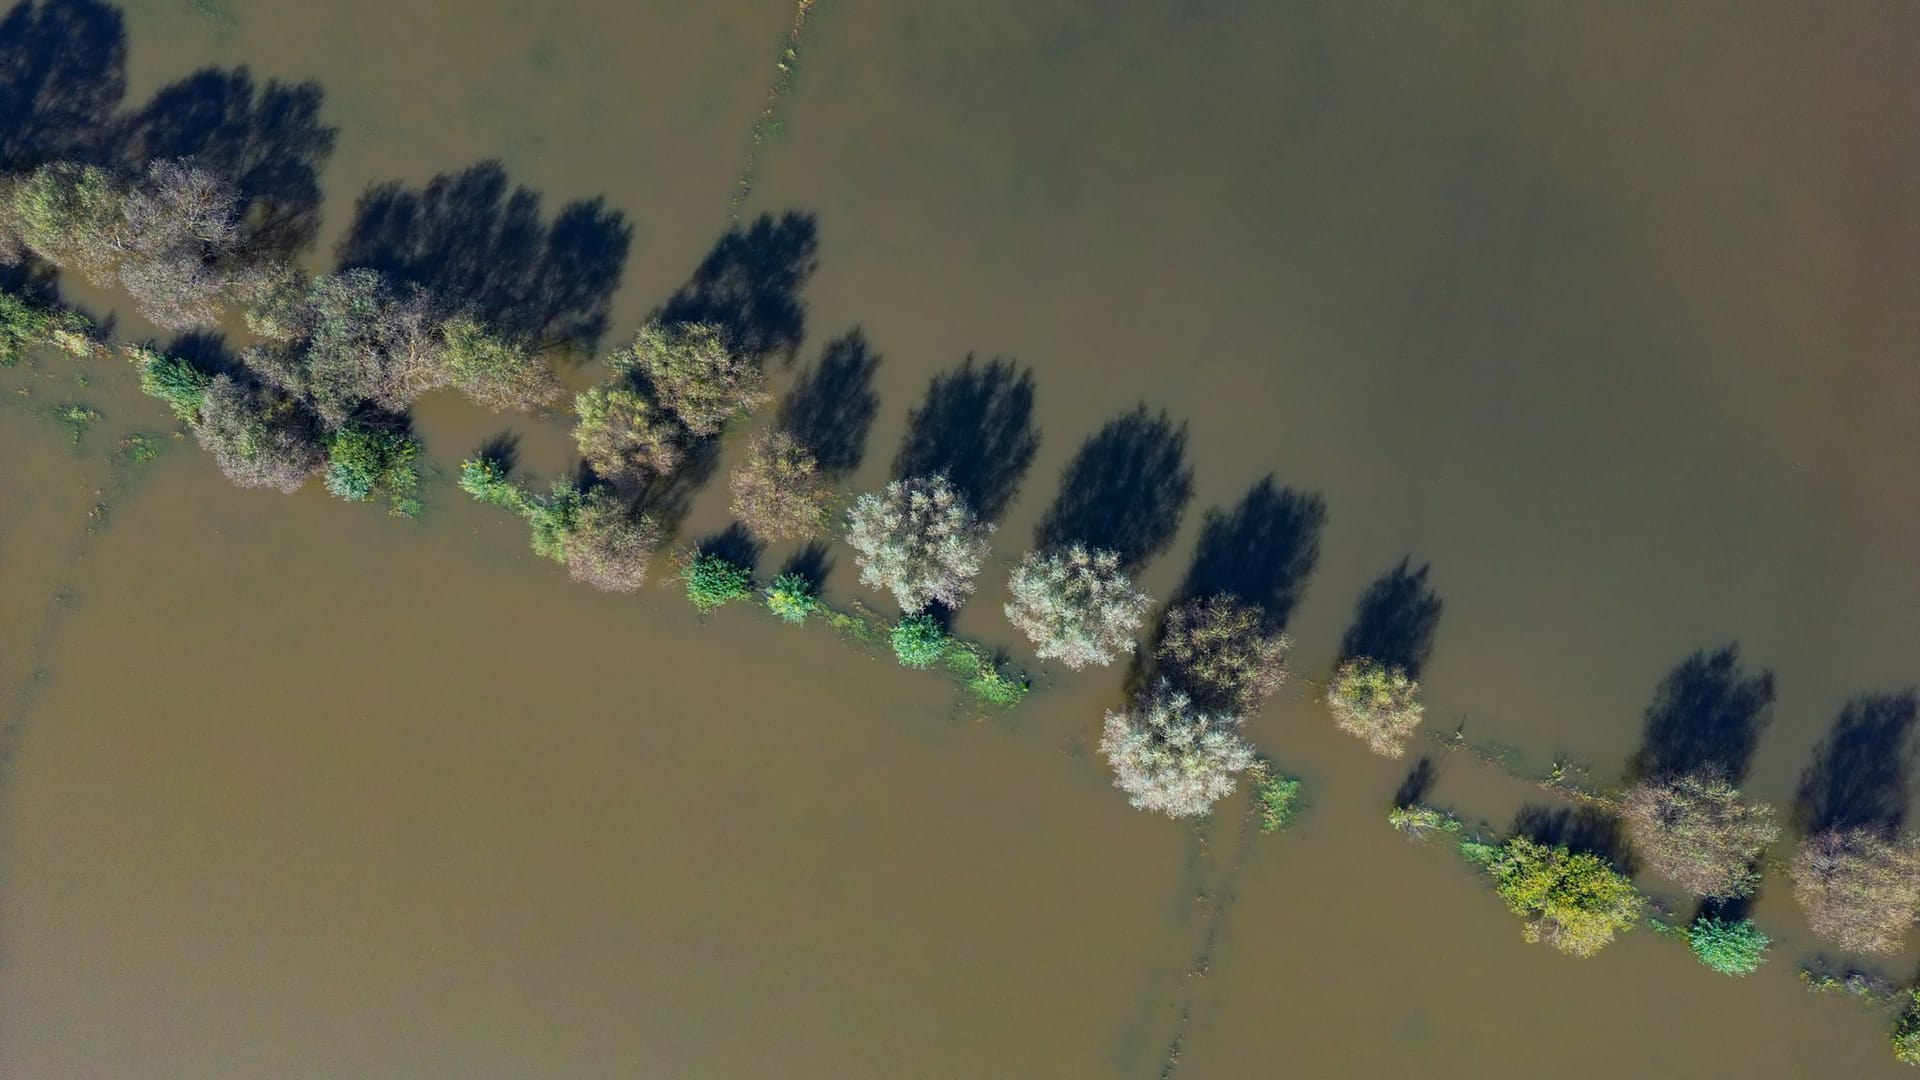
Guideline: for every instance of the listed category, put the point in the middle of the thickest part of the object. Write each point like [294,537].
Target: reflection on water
[1574,305]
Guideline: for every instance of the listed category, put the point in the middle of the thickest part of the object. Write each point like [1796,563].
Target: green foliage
[1419,820]
[622,433]
[363,463]
[25,325]
[494,371]
[485,479]
[1728,947]
[713,580]
[792,598]
[76,419]
[71,215]
[1376,702]
[175,381]
[1572,900]
[1906,1033]
[918,641]
[139,449]
[554,518]
[990,686]
[1278,798]
[1478,853]
[692,374]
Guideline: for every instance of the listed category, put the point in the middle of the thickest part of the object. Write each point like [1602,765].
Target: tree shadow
[749,285]
[476,239]
[811,562]
[735,543]
[63,73]
[1585,828]
[976,428]
[1707,714]
[669,497]
[268,140]
[1395,620]
[1861,772]
[1262,551]
[1124,491]
[832,404]
[502,448]
[208,351]
[1419,780]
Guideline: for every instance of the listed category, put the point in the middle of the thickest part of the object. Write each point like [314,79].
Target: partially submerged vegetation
[1376,703]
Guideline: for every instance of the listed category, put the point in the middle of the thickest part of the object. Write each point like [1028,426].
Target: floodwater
[1607,314]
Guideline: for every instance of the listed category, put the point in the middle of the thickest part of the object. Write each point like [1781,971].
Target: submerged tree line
[335,361]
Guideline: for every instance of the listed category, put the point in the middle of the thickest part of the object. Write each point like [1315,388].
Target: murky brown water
[1608,315]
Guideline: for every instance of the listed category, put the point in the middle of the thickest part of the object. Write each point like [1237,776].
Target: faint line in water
[769,123]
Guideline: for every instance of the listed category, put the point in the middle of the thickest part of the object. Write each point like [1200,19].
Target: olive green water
[1608,315]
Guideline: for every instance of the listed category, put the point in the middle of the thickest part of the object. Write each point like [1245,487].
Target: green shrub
[178,383]
[1376,702]
[1279,800]
[554,518]
[1906,1033]
[1418,820]
[364,463]
[25,325]
[713,580]
[990,686]
[1571,900]
[791,598]
[495,371]
[1728,947]
[918,641]
[485,479]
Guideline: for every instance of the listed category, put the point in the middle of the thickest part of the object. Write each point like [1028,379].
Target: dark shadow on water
[832,404]
[1262,551]
[812,562]
[1125,490]
[208,351]
[976,427]
[1707,714]
[1861,772]
[735,543]
[63,73]
[669,497]
[503,448]
[476,238]
[268,139]
[1584,828]
[1419,780]
[1395,620]
[750,283]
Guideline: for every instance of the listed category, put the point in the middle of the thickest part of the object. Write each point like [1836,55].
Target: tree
[792,598]
[496,371]
[26,324]
[1700,832]
[257,437]
[70,215]
[1375,702]
[623,435]
[365,462]
[1223,653]
[1076,606]
[179,238]
[362,341]
[1170,756]
[780,491]
[175,381]
[692,374]
[609,546]
[919,540]
[1859,889]
[713,579]
[1573,901]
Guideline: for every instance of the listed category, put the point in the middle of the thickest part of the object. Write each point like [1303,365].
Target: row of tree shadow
[1706,717]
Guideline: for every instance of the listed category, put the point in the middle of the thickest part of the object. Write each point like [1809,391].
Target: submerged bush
[989,685]
[919,540]
[1859,889]
[780,491]
[1700,832]
[1169,756]
[1375,702]
[175,381]
[485,479]
[693,375]
[791,598]
[1279,799]
[1076,606]
[257,437]
[1573,901]
[623,435]
[918,641]
[551,519]
[609,547]
[1730,947]
[364,463]
[713,580]
[25,324]
[1223,652]
[494,371]
[1906,1033]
